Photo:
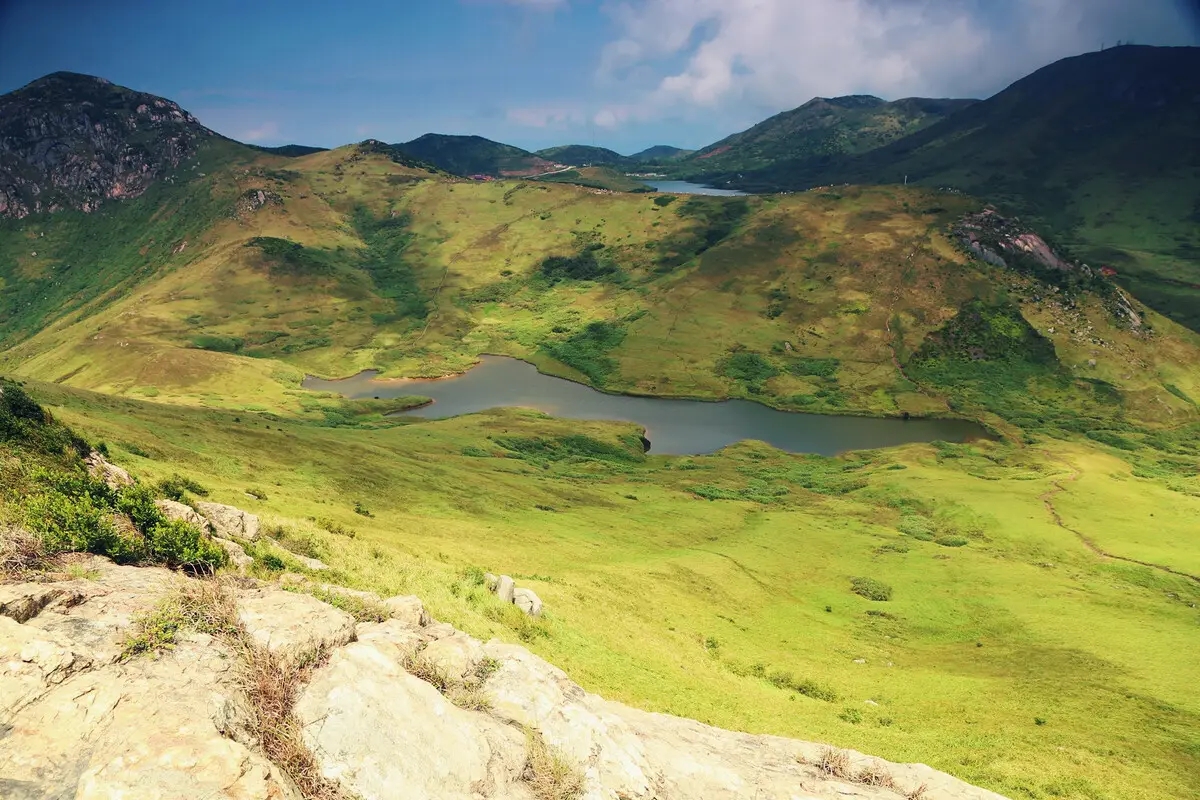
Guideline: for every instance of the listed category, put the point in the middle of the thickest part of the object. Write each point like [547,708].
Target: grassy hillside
[660,153]
[1008,652]
[582,155]
[1101,150]
[820,128]
[474,155]
[1038,619]
[598,178]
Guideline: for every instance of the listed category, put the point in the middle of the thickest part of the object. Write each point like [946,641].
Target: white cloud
[266,130]
[697,56]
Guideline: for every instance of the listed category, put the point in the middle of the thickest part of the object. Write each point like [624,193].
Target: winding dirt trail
[1048,501]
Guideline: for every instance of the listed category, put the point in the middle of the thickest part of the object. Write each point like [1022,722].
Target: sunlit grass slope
[348,260]
[720,587]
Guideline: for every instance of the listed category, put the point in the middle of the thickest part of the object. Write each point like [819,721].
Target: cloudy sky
[623,74]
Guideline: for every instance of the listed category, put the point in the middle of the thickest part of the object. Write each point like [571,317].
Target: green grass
[717,610]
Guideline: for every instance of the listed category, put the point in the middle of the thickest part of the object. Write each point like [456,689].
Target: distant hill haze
[822,127]
[76,141]
[580,155]
[475,155]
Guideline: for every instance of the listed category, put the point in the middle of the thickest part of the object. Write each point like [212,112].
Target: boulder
[292,624]
[504,589]
[312,564]
[527,601]
[490,581]
[374,729]
[408,609]
[112,475]
[229,522]
[174,510]
[237,556]
[456,655]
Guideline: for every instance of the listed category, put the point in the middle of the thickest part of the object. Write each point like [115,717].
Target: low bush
[871,589]
[176,486]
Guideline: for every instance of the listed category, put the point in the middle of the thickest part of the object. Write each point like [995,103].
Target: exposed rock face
[78,723]
[174,510]
[112,475]
[75,141]
[228,522]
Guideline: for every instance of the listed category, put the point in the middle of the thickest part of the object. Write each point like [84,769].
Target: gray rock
[455,654]
[290,623]
[174,510]
[504,589]
[408,610]
[527,601]
[229,522]
[112,475]
[237,556]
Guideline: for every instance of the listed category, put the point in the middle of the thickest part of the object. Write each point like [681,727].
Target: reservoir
[674,427]
[686,187]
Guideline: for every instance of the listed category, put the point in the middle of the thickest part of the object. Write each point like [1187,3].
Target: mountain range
[1014,607]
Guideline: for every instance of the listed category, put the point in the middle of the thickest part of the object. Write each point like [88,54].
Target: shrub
[664,200]
[748,368]
[916,526]
[851,715]
[951,541]
[175,486]
[816,367]
[257,494]
[587,350]
[80,524]
[217,344]
[178,544]
[834,762]
[871,589]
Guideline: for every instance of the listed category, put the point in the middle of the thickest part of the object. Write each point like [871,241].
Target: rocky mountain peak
[75,141]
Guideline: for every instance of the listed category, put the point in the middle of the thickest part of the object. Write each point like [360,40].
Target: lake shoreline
[584,402]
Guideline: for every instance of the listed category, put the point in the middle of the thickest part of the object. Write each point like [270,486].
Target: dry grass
[874,774]
[468,693]
[271,685]
[834,762]
[548,773]
[21,553]
[917,793]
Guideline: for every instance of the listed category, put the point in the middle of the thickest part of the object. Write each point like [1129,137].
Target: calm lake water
[684,187]
[674,427]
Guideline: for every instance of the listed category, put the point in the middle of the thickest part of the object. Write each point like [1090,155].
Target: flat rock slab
[291,623]
[375,729]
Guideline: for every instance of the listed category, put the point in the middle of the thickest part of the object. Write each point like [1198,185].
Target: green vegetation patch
[387,238]
[287,258]
[713,219]
[576,448]
[588,350]
[583,266]
[749,369]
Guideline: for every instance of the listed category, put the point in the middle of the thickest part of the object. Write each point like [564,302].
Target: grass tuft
[548,773]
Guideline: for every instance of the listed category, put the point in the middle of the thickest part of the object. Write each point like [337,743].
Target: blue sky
[620,74]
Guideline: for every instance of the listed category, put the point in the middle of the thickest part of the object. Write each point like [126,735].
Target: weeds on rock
[467,693]
[834,762]
[361,608]
[874,775]
[548,773]
[203,606]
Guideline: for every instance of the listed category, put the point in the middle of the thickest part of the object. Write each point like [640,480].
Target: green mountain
[582,155]
[1101,150]
[820,127]
[474,155]
[290,150]
[659,153]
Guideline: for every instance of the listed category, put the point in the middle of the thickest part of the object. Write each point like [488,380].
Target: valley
[1016,609]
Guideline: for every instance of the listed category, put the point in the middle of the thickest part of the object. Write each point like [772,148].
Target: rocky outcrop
[79,722]
[101,468]
[75,141]
[175,510]
[229,522]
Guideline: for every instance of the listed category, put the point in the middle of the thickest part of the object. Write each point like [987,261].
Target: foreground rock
[78,722]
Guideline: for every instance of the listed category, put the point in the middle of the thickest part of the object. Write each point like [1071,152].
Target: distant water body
[673,426]
[685,187]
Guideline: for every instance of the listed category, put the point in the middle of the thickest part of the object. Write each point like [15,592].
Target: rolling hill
[474,155]
[660,153]
[821,127]
[1102,150]
[581,155]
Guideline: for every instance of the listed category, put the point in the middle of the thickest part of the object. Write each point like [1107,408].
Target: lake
[674,427]
[686,187]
